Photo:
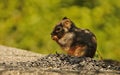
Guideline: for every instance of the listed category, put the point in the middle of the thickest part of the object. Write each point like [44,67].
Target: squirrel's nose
[52,33]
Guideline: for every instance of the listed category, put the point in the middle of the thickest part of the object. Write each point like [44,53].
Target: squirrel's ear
[65,18]
[67,23]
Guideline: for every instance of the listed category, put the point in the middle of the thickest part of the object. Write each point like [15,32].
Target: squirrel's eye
[58,29]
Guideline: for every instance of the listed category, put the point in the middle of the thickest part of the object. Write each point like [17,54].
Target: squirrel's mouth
[54,37]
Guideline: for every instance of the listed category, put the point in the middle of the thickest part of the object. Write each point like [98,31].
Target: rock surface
[15,61]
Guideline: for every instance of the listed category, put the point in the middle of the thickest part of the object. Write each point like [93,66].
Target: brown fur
[75,41]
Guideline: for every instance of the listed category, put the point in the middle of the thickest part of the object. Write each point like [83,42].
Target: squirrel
[73,40]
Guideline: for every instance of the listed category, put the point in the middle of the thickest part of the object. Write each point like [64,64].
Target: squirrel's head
[64,26]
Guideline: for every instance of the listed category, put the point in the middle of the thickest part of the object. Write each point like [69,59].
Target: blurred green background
[27,24]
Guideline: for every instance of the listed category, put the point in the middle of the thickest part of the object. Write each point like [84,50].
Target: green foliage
[27,24]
